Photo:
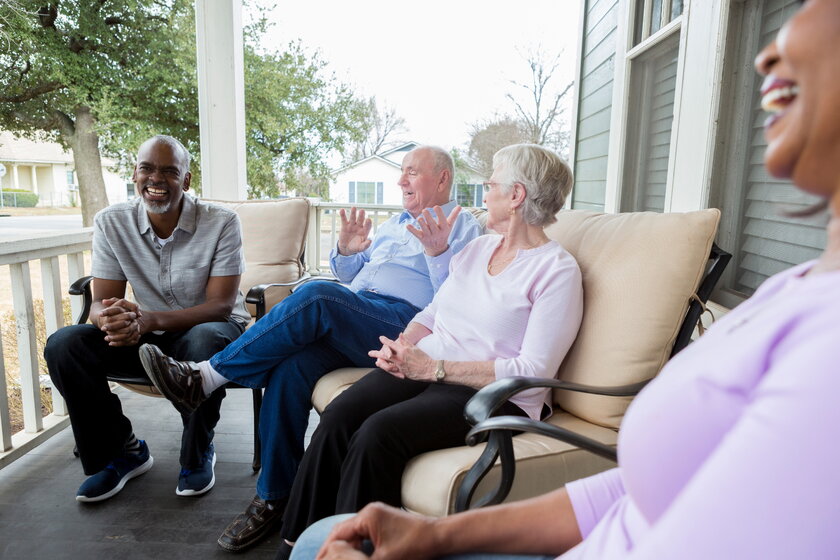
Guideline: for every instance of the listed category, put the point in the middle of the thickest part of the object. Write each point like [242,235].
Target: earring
[512,211]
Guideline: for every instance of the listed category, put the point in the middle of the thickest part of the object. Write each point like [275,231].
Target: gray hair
[443,161]
[172,142]
[546,176]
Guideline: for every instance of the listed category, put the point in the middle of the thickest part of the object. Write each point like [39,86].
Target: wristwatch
[440,373]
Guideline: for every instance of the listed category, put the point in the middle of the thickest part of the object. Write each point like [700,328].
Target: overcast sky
[442,64]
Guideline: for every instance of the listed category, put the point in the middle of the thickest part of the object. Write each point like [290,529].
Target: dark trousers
[79,359]
[366,437]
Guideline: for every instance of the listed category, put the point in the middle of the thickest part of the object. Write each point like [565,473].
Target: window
[754,227]
[365,192]
[653,65]
[130,191]
[71,181]
[653,15]
[469,195]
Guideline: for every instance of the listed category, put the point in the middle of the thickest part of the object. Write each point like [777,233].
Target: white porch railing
[18,255]
[324,224]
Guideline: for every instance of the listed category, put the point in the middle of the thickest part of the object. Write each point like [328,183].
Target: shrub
[9,336]
[19,198]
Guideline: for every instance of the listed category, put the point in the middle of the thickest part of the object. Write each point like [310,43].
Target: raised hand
[353,236]
[434,230]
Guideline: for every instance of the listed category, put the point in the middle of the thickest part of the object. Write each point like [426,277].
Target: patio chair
[646,279]
[273,238]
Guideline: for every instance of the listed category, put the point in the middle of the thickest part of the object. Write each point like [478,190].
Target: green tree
[85,73]
[297,115]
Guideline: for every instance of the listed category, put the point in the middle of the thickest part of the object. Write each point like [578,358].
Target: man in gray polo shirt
[183,259]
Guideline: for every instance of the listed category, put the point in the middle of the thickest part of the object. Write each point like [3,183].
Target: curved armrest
[499,433]
[81,287]
[256,295]
[490,398]
[520,424]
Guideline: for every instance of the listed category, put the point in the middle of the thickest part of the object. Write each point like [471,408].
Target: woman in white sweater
[512,306]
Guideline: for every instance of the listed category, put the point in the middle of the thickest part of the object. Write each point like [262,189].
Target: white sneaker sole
[128,476]
[204,490]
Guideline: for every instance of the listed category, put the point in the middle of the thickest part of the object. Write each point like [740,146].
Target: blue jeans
[306,548]
[322,326]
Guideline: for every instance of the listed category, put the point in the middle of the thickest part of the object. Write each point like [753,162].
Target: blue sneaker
[197,481]
[112,478]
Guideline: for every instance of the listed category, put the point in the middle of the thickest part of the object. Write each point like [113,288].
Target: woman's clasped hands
[403,359]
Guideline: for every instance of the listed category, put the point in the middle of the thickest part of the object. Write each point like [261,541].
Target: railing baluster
[5,418]
[27,349]
[75,270]
[53,312]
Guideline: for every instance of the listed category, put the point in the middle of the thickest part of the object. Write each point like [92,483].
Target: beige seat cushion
[274,237]
[639,272]
[431,480]
[333,384]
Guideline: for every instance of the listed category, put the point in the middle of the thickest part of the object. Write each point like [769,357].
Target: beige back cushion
[273,236]
[639,272]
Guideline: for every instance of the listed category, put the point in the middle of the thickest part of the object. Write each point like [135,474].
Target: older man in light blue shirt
[323,326]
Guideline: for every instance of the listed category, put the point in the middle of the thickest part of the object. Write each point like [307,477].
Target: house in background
[373,180]
[47,170]
[668,119]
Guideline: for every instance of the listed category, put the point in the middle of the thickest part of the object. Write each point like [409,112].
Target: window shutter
[351,197]
[379,192]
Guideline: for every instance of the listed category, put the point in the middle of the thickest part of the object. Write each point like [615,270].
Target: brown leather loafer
[180,382]
[260,519]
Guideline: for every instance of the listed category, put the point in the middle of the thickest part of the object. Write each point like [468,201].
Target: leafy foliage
[127,68]
[297,115]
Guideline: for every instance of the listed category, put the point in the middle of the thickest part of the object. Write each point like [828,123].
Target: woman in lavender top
[751,435]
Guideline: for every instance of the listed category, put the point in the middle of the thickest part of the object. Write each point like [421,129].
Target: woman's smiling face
[802,93]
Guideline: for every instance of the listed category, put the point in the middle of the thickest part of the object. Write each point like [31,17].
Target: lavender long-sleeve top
[732,452]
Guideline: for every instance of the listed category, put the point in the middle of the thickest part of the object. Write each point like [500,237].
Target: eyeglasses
[488,185]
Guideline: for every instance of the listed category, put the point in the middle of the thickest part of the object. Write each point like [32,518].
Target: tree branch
[31,93]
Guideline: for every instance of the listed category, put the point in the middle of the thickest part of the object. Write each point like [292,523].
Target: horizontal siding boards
[594,103]
[770,241]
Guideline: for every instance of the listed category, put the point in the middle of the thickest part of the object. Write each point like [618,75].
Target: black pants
[79,359]
[366,437]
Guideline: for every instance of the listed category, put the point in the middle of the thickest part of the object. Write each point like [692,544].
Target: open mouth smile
[777,95]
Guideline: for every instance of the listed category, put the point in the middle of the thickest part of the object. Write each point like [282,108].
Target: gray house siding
[594,103]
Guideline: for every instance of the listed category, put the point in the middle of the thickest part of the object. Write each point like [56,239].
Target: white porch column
[15,178]
[34,179]
[221,98]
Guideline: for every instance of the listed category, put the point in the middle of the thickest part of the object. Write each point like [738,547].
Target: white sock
[210,378]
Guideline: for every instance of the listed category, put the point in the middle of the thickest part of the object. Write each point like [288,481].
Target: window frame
[628,54]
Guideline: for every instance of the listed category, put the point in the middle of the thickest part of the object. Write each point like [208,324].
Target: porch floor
[40,518]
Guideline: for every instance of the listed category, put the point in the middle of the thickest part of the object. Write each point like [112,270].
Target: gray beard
[157,208]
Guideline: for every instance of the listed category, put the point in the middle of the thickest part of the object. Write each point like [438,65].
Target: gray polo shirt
[206,242]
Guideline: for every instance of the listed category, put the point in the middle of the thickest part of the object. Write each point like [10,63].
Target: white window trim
[702,27]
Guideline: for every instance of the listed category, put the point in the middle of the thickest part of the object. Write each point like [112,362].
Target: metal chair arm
[81,287]
[484,403]
[256,295]
[520,424]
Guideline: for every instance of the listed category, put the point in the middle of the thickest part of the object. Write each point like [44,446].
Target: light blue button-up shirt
[396,264]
